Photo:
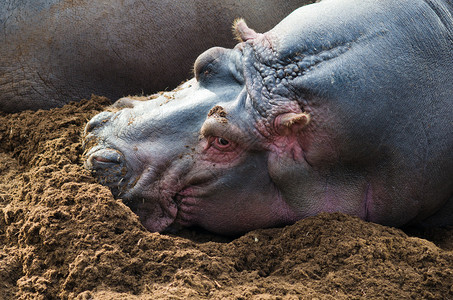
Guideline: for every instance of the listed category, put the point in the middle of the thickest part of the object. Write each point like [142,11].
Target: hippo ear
[290,123]
[242,32]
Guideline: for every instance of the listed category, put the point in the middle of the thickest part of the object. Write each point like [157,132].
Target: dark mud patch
[63,236]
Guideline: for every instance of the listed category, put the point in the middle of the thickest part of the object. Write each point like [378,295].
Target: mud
[63,236]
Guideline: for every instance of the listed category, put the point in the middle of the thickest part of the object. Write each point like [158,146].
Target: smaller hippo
[55,51]
[344,106]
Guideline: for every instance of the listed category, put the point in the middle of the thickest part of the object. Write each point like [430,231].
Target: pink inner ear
[243,32]
[290,123]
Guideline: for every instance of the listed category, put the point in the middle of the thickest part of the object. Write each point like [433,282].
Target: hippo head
[169,158]
[302,119]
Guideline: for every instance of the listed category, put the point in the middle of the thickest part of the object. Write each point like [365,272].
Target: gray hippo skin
[56,51]
[345,106]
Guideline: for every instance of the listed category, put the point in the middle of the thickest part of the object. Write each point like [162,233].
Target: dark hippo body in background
[53,52]
[345,106]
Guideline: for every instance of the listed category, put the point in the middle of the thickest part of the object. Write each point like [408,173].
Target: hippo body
[56,51]
[344,106]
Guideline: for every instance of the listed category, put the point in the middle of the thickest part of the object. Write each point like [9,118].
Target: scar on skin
[218,112]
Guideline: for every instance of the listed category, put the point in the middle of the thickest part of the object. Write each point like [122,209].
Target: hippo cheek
[236,213]
[240,197]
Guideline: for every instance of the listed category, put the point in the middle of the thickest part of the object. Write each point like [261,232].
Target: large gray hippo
[55,51]
[345,106]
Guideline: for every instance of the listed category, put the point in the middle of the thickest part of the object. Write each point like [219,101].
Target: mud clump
[63,236]
[218,112]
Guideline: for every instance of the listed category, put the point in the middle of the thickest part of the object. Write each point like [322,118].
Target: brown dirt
[63,236]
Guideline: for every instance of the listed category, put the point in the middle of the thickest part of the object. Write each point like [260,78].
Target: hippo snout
[105,161]
[109,167]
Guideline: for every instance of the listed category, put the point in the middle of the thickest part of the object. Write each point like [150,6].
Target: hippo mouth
[165,213]
[181,199]
[169,203]
[156,216]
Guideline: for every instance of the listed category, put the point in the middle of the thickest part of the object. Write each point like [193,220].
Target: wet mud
[63,236]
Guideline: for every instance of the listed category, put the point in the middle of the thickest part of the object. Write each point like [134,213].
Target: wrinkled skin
[345,106]
[56,51]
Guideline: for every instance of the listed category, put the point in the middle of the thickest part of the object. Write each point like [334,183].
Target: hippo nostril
[105,158]
[109,167]
[97,121]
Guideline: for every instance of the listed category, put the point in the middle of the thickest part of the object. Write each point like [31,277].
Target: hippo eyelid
[215,127]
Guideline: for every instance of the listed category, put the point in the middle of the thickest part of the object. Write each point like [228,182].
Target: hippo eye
[221,143]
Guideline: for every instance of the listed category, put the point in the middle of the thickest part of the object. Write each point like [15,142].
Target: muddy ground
[63,236]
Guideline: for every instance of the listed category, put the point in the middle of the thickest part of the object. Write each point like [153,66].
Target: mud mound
[62,235]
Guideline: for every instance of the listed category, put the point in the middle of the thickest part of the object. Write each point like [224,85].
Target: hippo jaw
[192,191]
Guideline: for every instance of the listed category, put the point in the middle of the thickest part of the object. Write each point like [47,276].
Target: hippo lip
[172,207]
[185,192]
[157,210]
[188,198]
[186,202]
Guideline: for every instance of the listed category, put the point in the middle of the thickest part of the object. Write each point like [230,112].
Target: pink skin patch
[288,145]
[101,159]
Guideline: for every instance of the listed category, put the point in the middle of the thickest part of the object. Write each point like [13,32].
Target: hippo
[344,106]
[56,51]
